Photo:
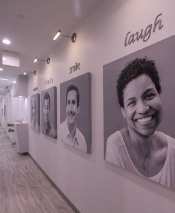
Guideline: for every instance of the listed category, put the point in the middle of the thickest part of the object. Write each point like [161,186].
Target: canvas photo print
[49,112]
[75,113]
[139,116]
[35,112]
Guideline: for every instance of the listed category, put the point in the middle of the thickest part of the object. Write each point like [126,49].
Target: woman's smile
[142,105]
[145,120]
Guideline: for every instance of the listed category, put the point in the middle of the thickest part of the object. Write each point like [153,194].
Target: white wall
[1,112]
[90,183]
[2,115]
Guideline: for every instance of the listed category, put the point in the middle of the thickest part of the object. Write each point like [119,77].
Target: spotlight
[34,72]
[47,60]
[57,35]
[73,36]
[35,60]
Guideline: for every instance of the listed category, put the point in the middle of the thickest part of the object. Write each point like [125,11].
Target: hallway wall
[2,112]
[90,183]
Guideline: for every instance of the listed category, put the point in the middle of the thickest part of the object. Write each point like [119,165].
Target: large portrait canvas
[35,112]
[139,118]
[75,113]
[49,112]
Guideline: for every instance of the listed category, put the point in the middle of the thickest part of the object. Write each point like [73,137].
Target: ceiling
[31,25]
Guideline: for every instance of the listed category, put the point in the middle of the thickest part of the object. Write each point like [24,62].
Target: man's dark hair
[73,87]
[46,97]
[134,69]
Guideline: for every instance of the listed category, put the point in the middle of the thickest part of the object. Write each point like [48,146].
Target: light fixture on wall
[47,60]
[34,72]
[73,36]
[58,33]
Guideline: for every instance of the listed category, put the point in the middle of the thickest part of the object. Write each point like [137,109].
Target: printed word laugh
[146,33]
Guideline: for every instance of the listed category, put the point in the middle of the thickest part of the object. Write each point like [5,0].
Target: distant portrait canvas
[35,112]
[49,112]
[139,118]
[75,113]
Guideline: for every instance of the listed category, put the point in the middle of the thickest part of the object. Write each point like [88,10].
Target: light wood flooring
[23,187]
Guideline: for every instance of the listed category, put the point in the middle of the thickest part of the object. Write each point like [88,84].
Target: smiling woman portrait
[139,147]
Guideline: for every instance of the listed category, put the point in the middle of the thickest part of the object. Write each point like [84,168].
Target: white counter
[21,132]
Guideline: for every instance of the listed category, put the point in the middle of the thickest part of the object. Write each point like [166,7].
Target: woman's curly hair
[134,69]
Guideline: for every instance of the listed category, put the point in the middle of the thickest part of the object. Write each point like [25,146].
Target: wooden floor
[23,187]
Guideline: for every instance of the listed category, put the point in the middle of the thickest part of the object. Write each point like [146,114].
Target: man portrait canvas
[75,113]
[35,112]
[49,112]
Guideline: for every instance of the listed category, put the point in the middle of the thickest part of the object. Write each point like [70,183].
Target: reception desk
[21,132]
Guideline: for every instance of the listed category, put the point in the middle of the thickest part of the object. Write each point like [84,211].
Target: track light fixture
[73,36]
[47,60]
[35,60]
[34,72]
[58,33]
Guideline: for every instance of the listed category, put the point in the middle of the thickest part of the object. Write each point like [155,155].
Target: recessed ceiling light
[1,69]
[6,41]
[14,82]
[3,79]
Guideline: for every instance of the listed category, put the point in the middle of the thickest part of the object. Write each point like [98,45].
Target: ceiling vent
[10,59]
